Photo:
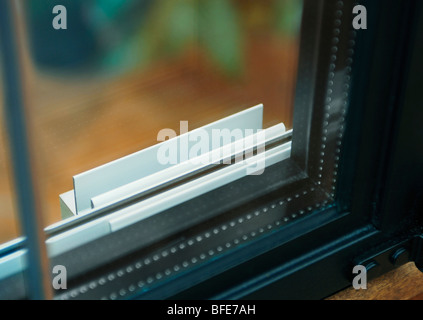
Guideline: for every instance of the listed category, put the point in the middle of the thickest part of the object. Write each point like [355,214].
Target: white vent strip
[126,170]
[149,207]
[220,155]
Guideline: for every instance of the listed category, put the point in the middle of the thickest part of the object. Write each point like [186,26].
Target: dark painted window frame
[367,209]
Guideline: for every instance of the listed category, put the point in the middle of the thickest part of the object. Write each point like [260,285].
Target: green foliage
[221,35]
[149,30]
[110,8]
[169,28]
[173,25]
[288,16]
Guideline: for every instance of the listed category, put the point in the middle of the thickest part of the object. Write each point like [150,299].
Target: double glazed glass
[104,87]
[123,71]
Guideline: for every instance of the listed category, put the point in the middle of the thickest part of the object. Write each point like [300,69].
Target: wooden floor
[404,283]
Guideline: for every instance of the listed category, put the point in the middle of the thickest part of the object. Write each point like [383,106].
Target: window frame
[313,257]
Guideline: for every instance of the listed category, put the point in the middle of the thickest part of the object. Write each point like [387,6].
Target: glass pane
[9,224]
[123,70]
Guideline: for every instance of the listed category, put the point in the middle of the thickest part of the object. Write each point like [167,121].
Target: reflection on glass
[123,70]
[9,224]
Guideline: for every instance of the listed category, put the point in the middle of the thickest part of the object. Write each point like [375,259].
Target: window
[313,210]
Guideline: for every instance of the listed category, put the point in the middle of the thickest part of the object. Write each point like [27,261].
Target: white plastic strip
[188,167]
[141,164]
[171,198]
[78,236]
[13,263]
[141,210]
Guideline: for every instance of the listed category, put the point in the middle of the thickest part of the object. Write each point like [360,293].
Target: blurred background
[123,70]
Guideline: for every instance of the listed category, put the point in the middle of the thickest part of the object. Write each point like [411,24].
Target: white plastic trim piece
[193,189]
[12,264]
[76,237]
[133,167]
[154,205]
[188,167]
[67,204]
